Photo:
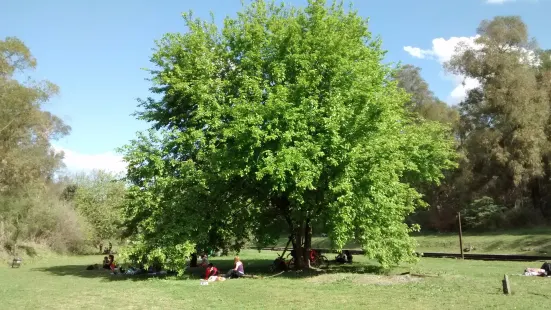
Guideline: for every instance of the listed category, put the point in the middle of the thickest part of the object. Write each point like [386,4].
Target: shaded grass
[452,284]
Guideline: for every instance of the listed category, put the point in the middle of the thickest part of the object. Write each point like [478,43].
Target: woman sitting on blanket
[237,271]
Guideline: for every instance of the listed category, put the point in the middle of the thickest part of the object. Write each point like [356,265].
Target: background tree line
[39,207]
[502,132]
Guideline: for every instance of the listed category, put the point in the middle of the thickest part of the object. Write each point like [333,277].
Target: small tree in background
[99,197]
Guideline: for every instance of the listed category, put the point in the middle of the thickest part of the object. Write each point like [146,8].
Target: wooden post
[460,235]
[506,285]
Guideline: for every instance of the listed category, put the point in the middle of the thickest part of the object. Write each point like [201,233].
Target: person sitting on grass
[112,264]
[341,258]
[349,257]
[106,263]
[211,273]
[204,260]
[237,271]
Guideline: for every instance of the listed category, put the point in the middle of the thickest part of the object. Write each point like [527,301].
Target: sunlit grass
[63,283]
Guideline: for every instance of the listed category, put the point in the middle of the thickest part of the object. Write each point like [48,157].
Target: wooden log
[506,285]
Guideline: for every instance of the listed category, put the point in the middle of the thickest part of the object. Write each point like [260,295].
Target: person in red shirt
[211,271]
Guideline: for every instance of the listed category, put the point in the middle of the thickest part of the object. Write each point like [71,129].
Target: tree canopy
[285,115]
[503,121]
[99,197]
[29,208]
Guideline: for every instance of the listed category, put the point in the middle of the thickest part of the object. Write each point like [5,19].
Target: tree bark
[307,243]
[299,248]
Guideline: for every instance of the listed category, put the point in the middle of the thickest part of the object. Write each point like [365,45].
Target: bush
[523,217]
[483,213]
[36,215]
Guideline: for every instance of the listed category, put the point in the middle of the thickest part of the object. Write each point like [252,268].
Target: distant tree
[285,114]
[26,130]
[423,101]
[503,121]
[99,197]
[27,161]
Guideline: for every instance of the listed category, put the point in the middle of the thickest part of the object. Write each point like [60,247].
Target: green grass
[55,283]
[528,242]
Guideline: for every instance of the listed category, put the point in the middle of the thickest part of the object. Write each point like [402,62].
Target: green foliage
[423,101]
[35,214]
[284,114]
[503,131]
[173,257]
[483,213]
[30,210]
[503,121]
[99,197]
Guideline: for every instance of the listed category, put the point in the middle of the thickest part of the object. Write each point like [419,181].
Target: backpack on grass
[547,267]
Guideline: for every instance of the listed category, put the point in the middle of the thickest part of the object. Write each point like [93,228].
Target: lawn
[63,283]
[528,242]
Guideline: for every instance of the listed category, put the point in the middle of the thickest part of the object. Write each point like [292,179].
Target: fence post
[506,285]
[460,235]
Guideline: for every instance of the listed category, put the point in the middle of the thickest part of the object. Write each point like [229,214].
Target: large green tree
[285,115]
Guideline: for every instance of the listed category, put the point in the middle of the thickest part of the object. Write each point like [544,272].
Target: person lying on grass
[544,271]
[535,272]
[211,273]
[237,271]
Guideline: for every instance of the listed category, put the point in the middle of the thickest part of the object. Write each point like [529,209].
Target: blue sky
[94,50]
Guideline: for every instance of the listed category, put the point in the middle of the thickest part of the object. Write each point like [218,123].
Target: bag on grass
[547,267]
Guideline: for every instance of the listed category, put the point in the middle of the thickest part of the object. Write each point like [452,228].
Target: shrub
[483,213]
[37,215]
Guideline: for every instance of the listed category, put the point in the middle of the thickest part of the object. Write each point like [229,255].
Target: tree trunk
[536,197]
[307,243]
[299,248]
[302,245]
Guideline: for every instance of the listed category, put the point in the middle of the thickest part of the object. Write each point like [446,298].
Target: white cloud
[442,51]
[415,51]
[78,162]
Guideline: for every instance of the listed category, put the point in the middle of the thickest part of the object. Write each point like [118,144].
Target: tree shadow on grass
[258,268]
[80,271]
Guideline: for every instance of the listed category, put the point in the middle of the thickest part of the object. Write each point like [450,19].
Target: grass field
[527,242]
[63,283]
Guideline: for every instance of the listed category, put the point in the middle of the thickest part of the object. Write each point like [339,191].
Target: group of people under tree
[109,263]
[238,271]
